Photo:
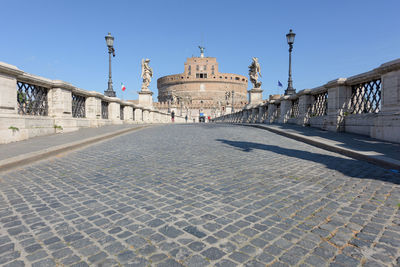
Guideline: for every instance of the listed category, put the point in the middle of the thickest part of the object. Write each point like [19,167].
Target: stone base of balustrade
[320,122]
[359,123]
[16,128]
[386,127]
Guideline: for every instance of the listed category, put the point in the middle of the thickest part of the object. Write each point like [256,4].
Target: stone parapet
[31,105]
[367,103]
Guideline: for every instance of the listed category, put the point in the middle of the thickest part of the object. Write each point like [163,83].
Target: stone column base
[255,96]
[146,99]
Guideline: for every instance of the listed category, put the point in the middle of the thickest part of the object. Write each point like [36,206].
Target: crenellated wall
[32,106]
[368,104]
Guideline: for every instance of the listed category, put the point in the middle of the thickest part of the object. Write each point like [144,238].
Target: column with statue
[255,94]
[145,95]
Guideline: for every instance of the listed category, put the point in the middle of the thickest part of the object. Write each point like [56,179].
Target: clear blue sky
[65,39]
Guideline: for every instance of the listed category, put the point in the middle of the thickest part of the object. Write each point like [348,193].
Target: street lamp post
[290,40]
[110,42]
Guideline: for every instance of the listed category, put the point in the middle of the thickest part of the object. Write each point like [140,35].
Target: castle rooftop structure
[203,84]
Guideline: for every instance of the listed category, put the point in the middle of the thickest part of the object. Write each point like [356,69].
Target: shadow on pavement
[348,167]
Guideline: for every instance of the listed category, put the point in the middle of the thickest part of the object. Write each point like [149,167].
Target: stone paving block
[226,263]
[213,253]
[116,202]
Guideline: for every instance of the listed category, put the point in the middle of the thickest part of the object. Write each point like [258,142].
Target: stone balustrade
[31,106]
[367,104]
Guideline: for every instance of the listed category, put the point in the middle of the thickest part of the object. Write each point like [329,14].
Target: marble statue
[254,71]
[147,74]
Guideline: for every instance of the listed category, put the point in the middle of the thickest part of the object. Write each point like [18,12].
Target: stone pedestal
[305,103]
[60,103]
[114,112]
[255,96]
[146,99]
[339,96]
[286,106]
[8,88]
[228,110]
[93,110]
[387,124]
[138,115]
[128,113]
[272,110]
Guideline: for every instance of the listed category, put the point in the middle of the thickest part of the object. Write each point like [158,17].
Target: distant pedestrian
[173,116]
[186,118]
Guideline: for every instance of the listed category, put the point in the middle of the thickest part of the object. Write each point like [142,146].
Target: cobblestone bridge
[197,195]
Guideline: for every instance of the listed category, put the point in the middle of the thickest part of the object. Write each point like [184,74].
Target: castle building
[201,90]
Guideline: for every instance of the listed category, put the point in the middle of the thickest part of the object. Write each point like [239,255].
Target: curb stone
[379,160]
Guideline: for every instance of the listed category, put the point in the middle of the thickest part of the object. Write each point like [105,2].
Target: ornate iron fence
[366,97]
[294,111]
[78,106]
[104,110]
[121,112]
[32,99]
[320,105]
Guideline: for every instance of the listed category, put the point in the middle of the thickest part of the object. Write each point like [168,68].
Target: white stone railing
[368,104]
[24,115]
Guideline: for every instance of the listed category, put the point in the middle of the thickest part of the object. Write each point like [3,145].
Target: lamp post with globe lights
[110,44]
[290,40]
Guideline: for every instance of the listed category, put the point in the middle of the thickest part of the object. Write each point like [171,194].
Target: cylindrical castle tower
[203,84]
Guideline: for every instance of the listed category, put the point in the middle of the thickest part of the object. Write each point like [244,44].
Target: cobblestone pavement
[197,195]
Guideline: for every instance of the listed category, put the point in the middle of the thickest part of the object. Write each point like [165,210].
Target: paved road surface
[197,195]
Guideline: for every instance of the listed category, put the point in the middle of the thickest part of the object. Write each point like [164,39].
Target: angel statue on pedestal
[147,74]
[254,70]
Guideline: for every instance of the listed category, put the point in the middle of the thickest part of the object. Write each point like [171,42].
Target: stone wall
[203,83]
[33,106]
[368,104]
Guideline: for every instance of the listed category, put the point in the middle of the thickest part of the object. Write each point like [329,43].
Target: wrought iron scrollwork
[320,105]
[78,106]
[32,99]
[366,97]
[104,110]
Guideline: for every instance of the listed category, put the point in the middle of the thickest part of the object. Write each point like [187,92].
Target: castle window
[190,69]
[237,78]
[212,70]
[197,75]
[197,67]
[220,77]
[205,67]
